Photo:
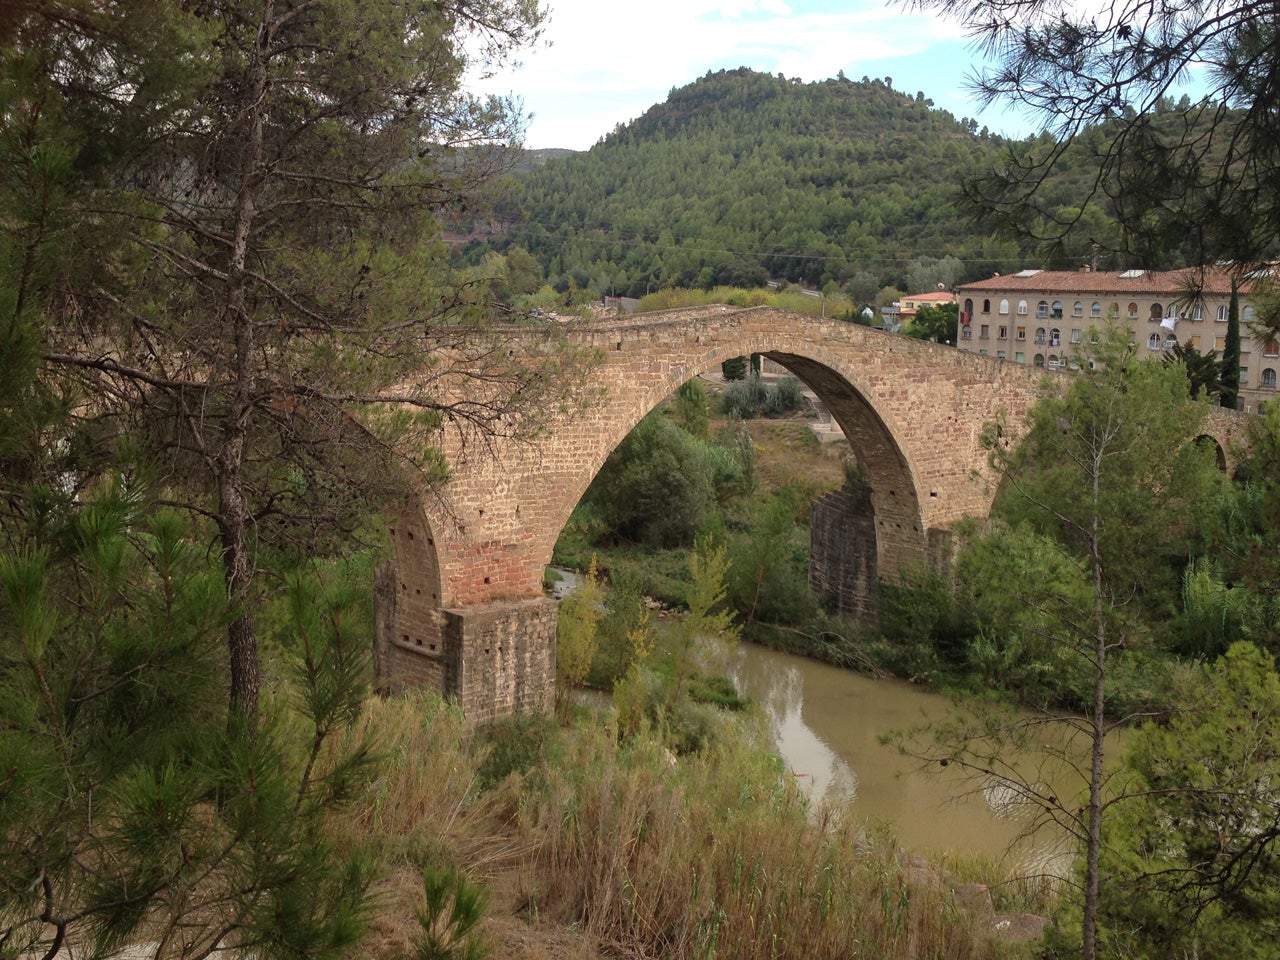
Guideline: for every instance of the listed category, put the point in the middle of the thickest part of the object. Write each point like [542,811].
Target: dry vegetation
[606,848]
[788,452]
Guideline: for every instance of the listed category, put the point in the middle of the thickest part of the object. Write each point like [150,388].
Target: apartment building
[1043,317]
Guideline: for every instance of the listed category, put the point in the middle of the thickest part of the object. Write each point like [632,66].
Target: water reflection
[827,723]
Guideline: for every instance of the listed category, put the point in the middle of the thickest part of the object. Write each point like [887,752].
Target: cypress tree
[1229,397]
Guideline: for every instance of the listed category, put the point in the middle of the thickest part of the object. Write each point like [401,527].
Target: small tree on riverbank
[1229,393]
[1109,474]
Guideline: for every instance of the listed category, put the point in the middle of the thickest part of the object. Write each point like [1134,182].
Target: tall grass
[715,854]
[425,812]
[718,855]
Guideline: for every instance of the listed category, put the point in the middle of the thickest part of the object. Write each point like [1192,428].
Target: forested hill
[742,176]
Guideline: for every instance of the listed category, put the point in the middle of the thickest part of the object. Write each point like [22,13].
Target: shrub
[753,397]
[577,632]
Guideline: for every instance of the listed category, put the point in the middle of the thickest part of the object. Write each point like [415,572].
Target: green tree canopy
[1109,469]
[1193,852]
[220,225]
[1198,178]
[935,321]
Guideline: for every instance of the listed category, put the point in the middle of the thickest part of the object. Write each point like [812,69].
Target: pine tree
[1077,492]
[129,810]
[261,300]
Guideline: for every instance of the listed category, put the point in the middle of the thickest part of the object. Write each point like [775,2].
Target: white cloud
[605,68]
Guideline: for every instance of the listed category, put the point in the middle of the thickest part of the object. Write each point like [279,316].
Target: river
[827,723]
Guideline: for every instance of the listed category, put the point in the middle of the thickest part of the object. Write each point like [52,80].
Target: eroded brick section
[411,647]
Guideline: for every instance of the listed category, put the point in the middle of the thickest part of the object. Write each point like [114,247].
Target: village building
[903,309]
[1043,317]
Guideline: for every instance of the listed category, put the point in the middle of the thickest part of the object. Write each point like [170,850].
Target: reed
[713,854]
[718,854]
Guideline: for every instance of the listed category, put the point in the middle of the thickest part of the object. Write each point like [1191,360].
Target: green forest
[841,185]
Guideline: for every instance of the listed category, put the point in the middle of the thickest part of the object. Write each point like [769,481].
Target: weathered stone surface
[842,552]
[913,413]
[1019,927]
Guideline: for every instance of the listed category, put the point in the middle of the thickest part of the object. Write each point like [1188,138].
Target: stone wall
[842,552]
[493,660]
[507,653]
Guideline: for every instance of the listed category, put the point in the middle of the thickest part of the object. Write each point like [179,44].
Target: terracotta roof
[1213,280]
[937,296]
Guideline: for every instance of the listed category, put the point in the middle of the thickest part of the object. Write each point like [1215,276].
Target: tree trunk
[1093,844]
[234,515]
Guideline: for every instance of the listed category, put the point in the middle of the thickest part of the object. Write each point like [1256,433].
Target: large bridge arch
[463,608]
[883,462]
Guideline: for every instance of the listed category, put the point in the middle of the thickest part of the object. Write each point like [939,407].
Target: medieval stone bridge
[461,607]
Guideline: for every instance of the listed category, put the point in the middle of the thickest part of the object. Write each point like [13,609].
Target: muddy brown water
[827,723]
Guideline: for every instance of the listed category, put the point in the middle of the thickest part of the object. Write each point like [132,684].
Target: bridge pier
[493,659]
[843,552]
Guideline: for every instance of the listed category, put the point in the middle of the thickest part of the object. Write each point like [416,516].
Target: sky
[605,62]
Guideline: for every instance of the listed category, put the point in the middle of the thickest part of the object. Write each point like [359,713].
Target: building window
[1197,312]
[983,351]
[1220,343]
[1057,309]
[1053,362]
[1022,333]
[1042,309]
[1193,342]
[1170,341]
[1004,306]
[1002,333]
[1133,311]
[1022,308]
[986,306]
[1246,313]
[966,333]
[1040,336]
[985,331]
[999,354]
[1268,379]
[1078,309]
[1022,358]
[1039,360]
[1156,313]
[1095,311]
[1075,335]
[1222,314]
[1271,349]
[1155,342]
[1244,376]
[1055,337]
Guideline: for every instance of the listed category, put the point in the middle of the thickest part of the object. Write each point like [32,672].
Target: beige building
[907,307]
[1042,317]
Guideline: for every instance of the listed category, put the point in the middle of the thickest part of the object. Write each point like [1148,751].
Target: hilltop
[742,176]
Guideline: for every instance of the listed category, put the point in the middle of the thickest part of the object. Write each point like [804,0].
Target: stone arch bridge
[461,607]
